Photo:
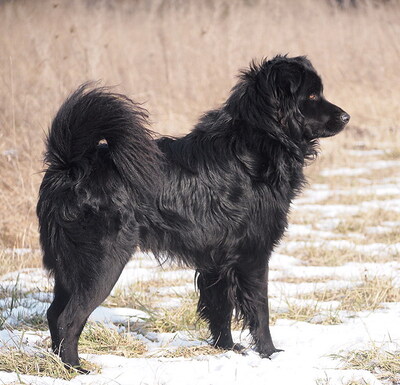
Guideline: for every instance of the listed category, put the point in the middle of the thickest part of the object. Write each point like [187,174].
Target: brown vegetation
[180,58]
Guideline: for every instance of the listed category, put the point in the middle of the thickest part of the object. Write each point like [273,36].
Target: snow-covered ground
[309,347]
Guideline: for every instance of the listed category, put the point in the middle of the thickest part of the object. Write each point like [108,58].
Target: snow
[11,153]
[391,223]
[303,230]
[328,224]
[177,290]
[18,251]
[307,346]
[305,359]
[118,315]
[377,229]
[380,164]
[334,210]
[345,171]
[349,271]
[313,195]
[368,152]
[133,274]
[366,168]
[279,289]
[372,249]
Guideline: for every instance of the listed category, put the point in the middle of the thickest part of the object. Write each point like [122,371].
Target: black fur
[216,199]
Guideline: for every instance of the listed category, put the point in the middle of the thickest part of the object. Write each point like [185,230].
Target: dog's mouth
[328,134]
[325,131]
[333,131]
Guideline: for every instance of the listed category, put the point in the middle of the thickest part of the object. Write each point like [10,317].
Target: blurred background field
[181,58]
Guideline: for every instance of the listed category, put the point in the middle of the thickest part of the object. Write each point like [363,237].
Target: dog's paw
[80,370]
[237,348]
[268,353]
[77,369]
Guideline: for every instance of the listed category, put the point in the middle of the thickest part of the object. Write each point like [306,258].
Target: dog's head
[286,94]
[300,96]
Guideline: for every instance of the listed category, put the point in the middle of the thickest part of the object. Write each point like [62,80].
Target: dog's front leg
[215,308]
[256,311]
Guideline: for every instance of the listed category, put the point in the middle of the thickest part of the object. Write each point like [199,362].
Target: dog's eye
[313,97]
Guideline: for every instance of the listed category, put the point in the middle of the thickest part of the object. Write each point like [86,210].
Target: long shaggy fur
[216,199]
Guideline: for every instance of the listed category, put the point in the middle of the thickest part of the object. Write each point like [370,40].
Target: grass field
[338,266]
[180,58]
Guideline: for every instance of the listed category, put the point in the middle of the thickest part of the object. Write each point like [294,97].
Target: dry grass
[389,237]
[132,296]
[162,319]
[358,222]
[34,322]
[381,173]
[333,181]
[383,364]
[95,339]
[308,313]
[13,297]
[300,217]
[191,351]
[42,364]
[325,256]
[355,382]
[394,154]
[369,177]
[354,199]
[326,381]
[143,294]
[184,317]
[12,259]
[182,60]
[369,295]
[292,279]
[100,339]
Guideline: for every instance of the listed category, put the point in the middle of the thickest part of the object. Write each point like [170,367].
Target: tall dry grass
[181,58]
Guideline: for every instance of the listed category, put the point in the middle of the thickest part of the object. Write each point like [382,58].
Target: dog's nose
[345,118]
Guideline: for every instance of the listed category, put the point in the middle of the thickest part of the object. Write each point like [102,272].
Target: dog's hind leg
[61,298]
[81,304]
[215,308]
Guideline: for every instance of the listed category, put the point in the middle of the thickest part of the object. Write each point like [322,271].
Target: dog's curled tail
[92,115]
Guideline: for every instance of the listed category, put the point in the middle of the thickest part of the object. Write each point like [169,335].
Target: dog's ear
[285,78]
[265,93]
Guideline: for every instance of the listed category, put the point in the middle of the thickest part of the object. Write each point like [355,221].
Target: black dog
[216,200]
